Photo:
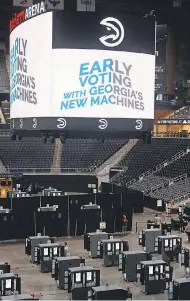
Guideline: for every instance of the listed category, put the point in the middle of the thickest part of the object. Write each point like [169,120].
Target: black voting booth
[81,280]
[110,250]
[185,259]
[109,292]
[10,284]
[154,276]
[60,267]
[46,253]
[129,262]
[4,268]
[169,247]
[179,289]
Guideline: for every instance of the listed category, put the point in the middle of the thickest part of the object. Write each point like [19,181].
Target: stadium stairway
[2,167]
[2,118]
[102,171]
[8,64]
[56,166]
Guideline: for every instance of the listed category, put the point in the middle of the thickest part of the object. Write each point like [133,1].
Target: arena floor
[34,282]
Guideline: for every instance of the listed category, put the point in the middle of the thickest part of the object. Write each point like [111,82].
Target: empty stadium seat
[5,108]
[144,157]
[88,154]
[183,113]
[27,153]
[4,77]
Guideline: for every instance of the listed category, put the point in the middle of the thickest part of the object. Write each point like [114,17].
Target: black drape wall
[66,183]
[69,220]
[136,197]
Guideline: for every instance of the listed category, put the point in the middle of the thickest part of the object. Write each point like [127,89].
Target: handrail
[51,170]
[160,166]
[183,197]
[172,181]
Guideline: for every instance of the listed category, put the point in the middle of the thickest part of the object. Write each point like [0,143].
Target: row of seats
[28,153]
[143,157]
[88,154]
[173,170]
[85,154]
[4,77]
[183,113]
[172,193]
[5,108]
[159,179]
[147,183]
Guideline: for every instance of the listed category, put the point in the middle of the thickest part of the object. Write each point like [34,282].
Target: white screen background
[66,66]
[38,32]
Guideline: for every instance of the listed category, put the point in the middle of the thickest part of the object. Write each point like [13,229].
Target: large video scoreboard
[82,73]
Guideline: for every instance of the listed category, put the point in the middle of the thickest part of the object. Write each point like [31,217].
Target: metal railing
[159,167]
[181,199]
[168,182]
[50,171]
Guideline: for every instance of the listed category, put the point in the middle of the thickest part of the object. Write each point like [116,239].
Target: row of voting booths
[168,248]
[70,273]
[58,216]
[136,266]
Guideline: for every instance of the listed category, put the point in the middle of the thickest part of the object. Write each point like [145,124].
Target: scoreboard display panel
[69,77]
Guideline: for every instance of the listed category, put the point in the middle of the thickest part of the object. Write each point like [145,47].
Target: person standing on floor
[124,224]
[158,220]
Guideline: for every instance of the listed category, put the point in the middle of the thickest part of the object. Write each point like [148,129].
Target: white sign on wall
[30,67]
[86,5]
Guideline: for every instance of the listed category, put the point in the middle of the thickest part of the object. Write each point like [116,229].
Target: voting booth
[10,284]
[31,244]
[4,268]
[46,253]
[60,268]
[185,258]
[81,280]
[110,250]
[129,261]
[153,276]
[169,247]
[147,239]
[179,289]
[92,243]
[109,292]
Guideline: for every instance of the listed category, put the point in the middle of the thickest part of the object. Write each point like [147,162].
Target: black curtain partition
[68,220]
[151,203]
[136,197]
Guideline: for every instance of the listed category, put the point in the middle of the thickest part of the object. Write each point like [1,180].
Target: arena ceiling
[167,11]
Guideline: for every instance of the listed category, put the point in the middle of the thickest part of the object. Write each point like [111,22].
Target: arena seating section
[88,153]
[144,157]
[183,113]
[171,183]
[4,77]
[28,153]
[5,108]
[76,153]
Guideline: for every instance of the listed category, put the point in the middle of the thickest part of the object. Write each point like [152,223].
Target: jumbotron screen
[82,72]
